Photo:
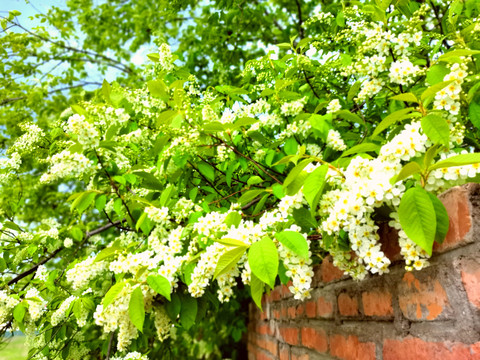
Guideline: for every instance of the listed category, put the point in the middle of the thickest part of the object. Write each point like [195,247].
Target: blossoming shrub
[183,197]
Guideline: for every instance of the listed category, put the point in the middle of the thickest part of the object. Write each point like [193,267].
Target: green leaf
[83,201]
[392,119]
[233,219]
[166,195]
[19,313]
[294,241]
[295,172]
[256,290]
[437,73]
[231,242]
[432,90]
[188,312]
[436,128]
[458,160]
[149,181]
[112,293]
[297,183]
[173,307]
[408,97]
[430,154]
[107,252]
[453,55]
[347,115]
[353,90]
[249,196]
[443,222]
[290,146]
[277,190]
[282,273]
[408,170]
[263,260]
[161,285]
[207,170]
[417,217]
[213,127]
[158,89]
[136,308]
[474,113]
[255,180]
[100,203]
[361,148]
[228,260]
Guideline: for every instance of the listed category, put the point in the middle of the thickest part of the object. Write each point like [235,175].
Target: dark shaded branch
[52,255]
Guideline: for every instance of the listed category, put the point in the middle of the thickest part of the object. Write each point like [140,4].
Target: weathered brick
[284,352]
[311,309]
[261,355]
[271,345]
[286,293]
[300,357]
[264,329]
[300,310]
[324,307]
[315,339]
[292,312]
[377,303]
[457,203]
[276,314]
[426,300]
[347,305]
[414,348]
[350,348]
[329,271]
[471,281]
[289,335]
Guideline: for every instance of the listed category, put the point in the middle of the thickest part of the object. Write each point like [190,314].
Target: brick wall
[428,314]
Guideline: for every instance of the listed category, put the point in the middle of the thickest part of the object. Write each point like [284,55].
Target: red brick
[329,271]
[324,307]
[269,345]
[292,312]
[285,292]
[276,314]
[347,306]
[264,314]
[311,309]
[377,303]
[315,339]
[284,353]
[283,311]
[471,281]
[289,335]
[264,329]
[414,348]
[458,207]
[300,310]
[300,357]
[264,356]
[277,294]
[426,300]
[350,348]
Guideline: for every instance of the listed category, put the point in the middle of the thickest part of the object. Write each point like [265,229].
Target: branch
[52,255]
[125,68]
[9,100]
[300,20]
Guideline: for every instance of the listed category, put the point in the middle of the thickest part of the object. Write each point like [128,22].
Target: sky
[30,8]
